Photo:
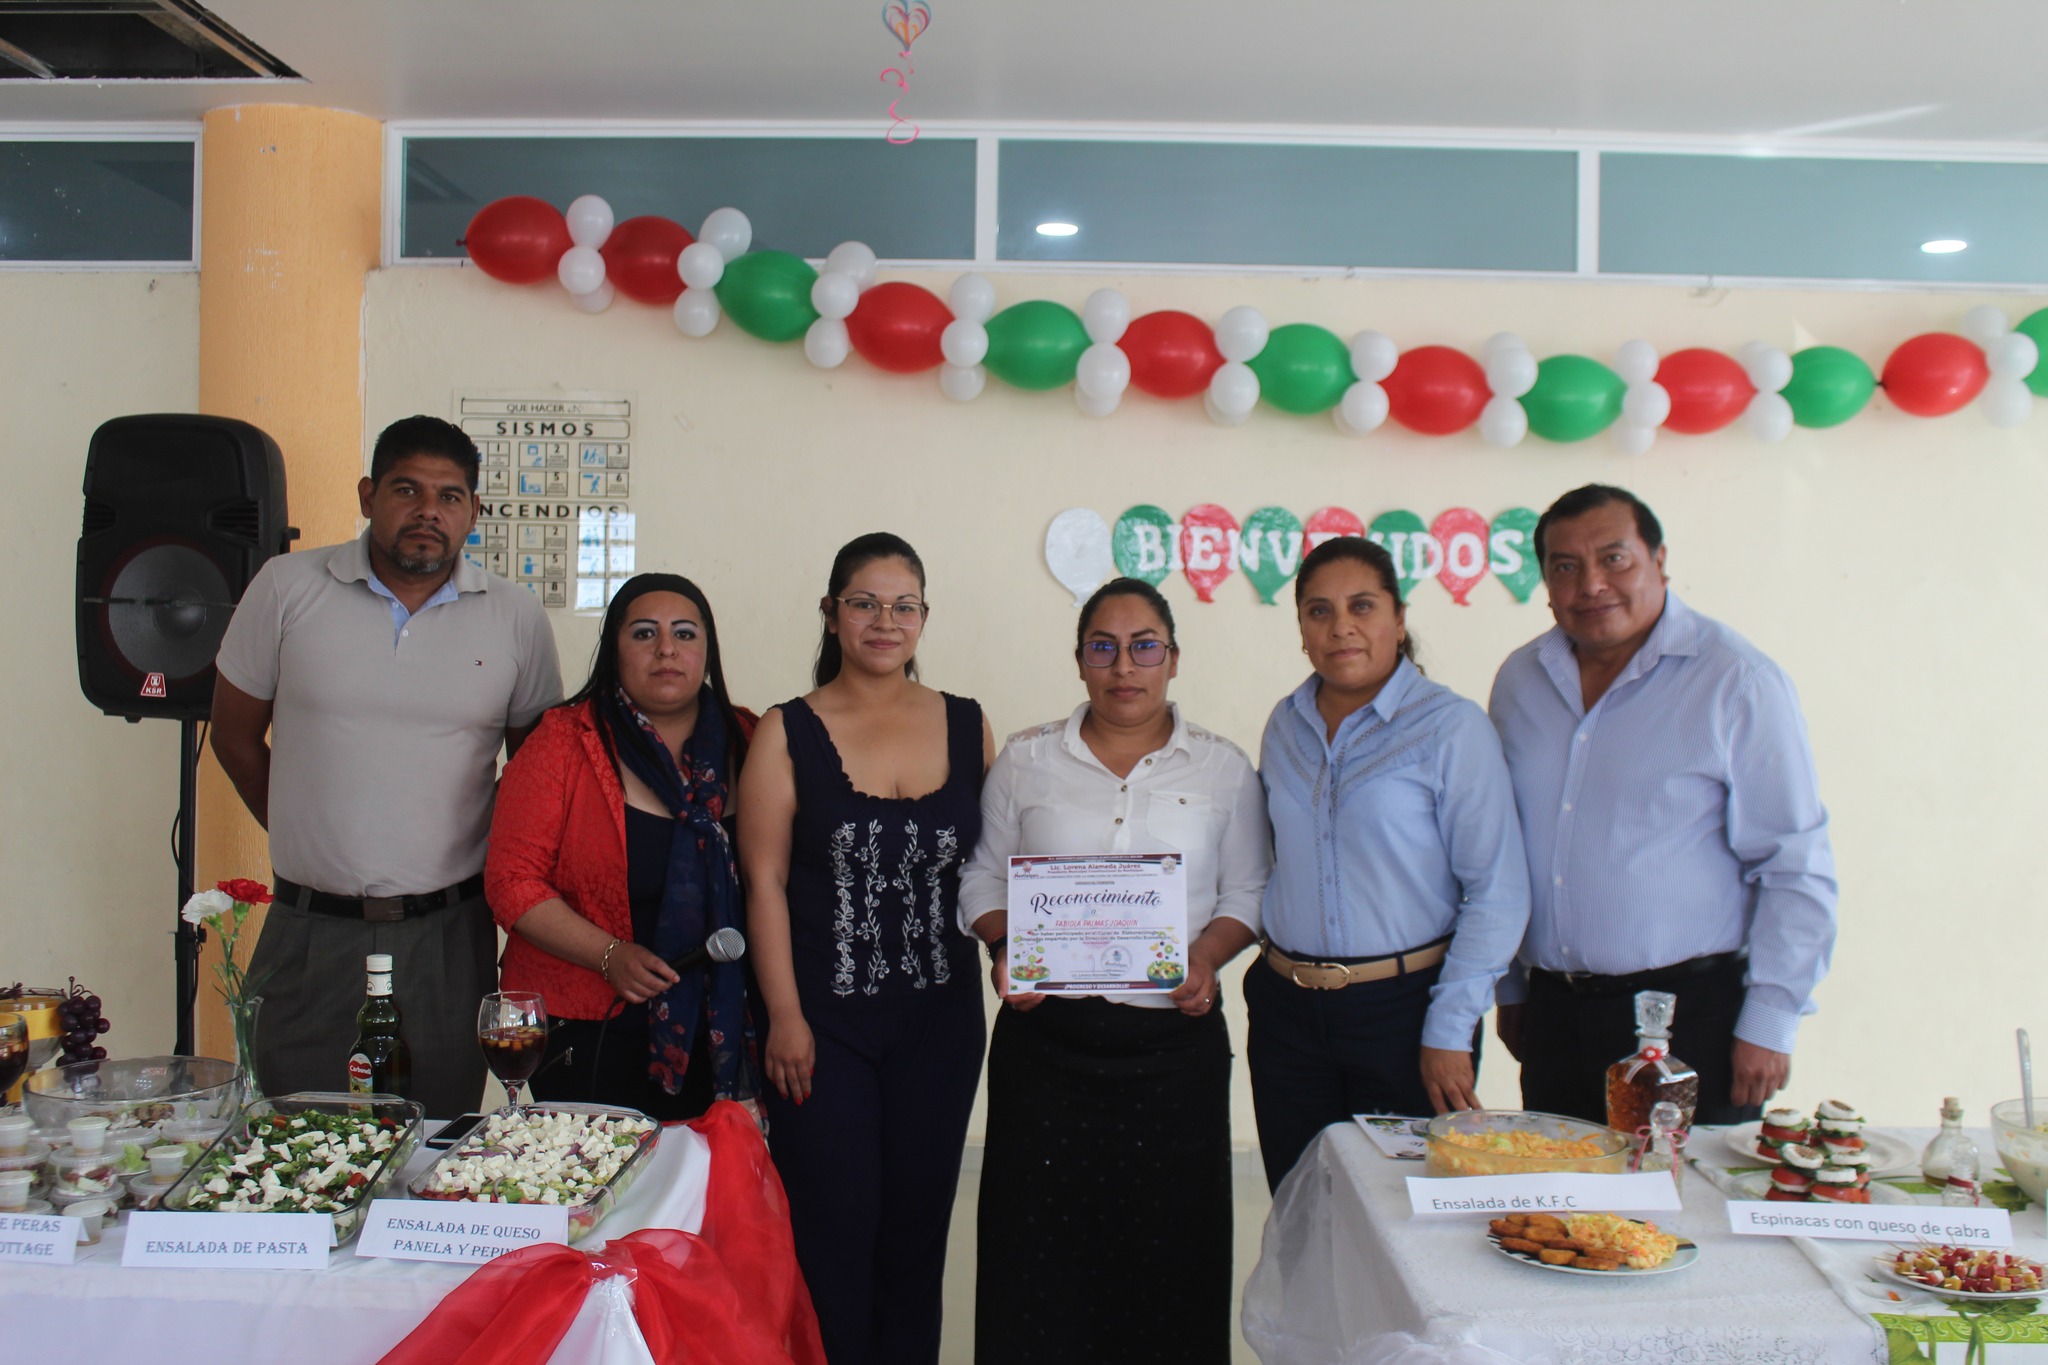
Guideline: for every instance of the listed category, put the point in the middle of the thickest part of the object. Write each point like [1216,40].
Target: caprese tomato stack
[1781,1128]
[1845,1176]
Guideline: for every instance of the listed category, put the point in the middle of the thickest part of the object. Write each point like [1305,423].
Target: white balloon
[1986,323]
[2012,355]
[1373,356]
[1077,550]
[590,222]
[1636,362]
[855,259]
[728,230]
[581,269]
[1241,333]
[964,342]
[1768,368]
[826,343]
[1218,415]
[1097,404]
[972,298]
[1363,407]
[597,300]
[1502,343]
[962,383]
[1104,371]
[2006,401]
[1234,387]
[1105,314]
[1646,404]
[701,265]
[1510,373]
[1503,422]
[1747,353]
[1768,417]
[696,312]
[1631,438]
[834,295]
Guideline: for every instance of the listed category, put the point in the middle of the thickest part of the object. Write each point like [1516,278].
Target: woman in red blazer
[610,856]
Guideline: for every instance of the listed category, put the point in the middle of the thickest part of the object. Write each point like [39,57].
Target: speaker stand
[186,944]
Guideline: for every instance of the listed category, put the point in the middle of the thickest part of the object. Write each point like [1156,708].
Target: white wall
[1890,565]
[86,810]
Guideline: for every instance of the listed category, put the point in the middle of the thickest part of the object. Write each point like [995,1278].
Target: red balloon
[1207,547]
[1327,523]
[640,258]
[1172,354]
[897,325]
[1708,390]
[1934,373]
[517,239]
[1464,537]
[1436,390]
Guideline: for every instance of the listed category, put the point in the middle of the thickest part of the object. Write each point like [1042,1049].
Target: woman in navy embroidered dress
[862,798]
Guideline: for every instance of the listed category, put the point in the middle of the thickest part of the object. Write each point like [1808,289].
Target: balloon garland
[1102,351]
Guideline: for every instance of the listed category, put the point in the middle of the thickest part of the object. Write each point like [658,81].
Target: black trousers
[1569,1040]
[1318,1057]
[871,1162]
[608,1065]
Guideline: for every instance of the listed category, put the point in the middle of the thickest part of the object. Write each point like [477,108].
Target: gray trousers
[309,970]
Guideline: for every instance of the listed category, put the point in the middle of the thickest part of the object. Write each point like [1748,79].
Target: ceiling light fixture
[1944,246]
[1057,229]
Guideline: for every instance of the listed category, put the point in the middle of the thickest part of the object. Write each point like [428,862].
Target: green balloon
[1139,543]
[1035,344]
[1574,398]
[768,294]
[1829,386]
[1511,542]
[2035,325]
[1405,536]
[1304,368]
[1269,550]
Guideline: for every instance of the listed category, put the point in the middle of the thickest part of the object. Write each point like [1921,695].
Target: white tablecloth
[1343,1267]
[349,1314]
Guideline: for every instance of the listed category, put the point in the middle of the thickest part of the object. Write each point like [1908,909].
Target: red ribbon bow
[732,1296]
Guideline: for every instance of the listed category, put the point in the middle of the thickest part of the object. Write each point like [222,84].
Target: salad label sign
[40,1239]
[1098,924]
[1985,1227]
[228,1241]
[458,1230]
[1560,1193]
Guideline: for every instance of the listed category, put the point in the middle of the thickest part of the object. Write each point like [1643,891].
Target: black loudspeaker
[180,513]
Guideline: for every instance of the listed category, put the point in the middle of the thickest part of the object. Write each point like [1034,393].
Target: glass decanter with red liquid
[1650,1074]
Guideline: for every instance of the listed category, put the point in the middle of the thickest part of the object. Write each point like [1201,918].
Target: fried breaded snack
[1550,1256]
[1504,1227]
[1521,1244]
[1543,1220]
[1597,1263]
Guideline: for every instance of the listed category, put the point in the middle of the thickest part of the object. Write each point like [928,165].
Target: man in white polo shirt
[388,671]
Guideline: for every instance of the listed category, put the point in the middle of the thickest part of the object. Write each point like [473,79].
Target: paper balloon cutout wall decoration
[1077,551]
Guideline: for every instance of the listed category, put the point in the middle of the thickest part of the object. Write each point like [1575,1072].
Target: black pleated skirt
[1104,1223]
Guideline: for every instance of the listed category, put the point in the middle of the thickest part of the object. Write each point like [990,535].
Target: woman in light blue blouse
[1399,891]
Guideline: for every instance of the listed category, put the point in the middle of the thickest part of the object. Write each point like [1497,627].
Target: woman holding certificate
[861,799]
[1399,893]
[1140,851]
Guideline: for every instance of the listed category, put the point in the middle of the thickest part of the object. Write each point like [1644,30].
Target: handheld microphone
[724,945]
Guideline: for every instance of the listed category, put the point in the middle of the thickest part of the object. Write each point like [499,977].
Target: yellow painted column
[289,221]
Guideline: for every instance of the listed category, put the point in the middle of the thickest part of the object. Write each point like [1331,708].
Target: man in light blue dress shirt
[1673,822]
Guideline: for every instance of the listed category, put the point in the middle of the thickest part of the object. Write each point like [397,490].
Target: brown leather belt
[1335,976]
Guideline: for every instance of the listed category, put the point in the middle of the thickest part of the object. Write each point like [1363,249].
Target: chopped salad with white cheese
[538,1156]
[295,1163]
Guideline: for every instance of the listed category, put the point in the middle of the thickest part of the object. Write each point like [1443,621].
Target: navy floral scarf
[700,871]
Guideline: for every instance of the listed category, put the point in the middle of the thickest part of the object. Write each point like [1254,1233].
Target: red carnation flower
[247,889]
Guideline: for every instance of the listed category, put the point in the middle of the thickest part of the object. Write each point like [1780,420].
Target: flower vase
[242,1013]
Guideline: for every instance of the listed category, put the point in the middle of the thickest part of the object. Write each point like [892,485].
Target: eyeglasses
[1144,653]
[867,610]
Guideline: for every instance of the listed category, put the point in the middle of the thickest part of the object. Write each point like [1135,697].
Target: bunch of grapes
[79,1017]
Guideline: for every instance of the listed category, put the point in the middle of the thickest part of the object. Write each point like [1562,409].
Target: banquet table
[351,1313]
[1344,1271]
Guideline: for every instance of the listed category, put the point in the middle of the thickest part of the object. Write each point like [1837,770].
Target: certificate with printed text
[1098,923]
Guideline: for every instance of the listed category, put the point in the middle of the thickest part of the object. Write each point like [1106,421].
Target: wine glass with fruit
[13,1050]
[512,1028]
